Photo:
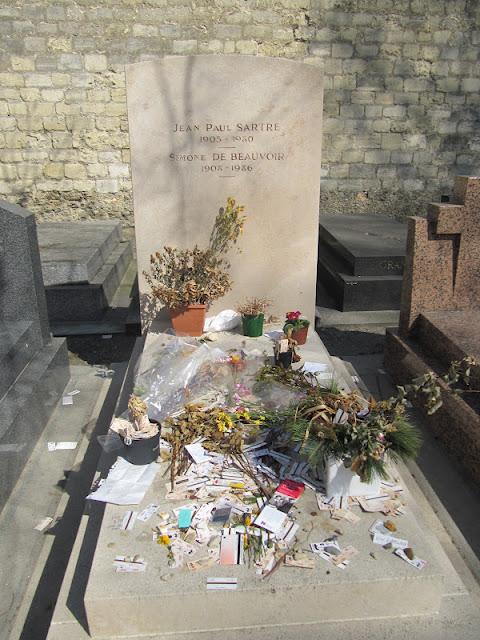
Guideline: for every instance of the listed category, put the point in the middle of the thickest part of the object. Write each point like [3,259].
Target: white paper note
[126,483]
[56,446]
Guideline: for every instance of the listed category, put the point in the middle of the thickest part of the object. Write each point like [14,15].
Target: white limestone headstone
[203,128]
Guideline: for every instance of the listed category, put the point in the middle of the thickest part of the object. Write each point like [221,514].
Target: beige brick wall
[402,91]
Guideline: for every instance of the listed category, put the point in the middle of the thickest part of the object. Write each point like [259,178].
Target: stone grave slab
[370,245]
[203,128]
[89,300]
[74,252]
[360,261]
[144,603]
[33,366]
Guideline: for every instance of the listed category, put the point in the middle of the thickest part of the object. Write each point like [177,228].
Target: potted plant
[296,327]
[253,316]
[352,439]
[140,436]
[187,281]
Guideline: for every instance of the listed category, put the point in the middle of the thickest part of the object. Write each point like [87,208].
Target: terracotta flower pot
[188,321]
[300,335]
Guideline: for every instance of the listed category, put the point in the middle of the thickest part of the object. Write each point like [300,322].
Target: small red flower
[293,315]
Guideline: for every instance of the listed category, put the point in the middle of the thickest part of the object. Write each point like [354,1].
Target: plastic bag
[274,395]
[179,373]
[224,321]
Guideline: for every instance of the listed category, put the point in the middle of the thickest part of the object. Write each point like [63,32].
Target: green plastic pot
[253,325]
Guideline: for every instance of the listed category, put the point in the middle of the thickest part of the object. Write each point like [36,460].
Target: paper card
[185,548]
[128,520]
[287,534]
[371,505]
[346,554]
[221,515]
[148,512]
[302,561]
[126,483]
[129,564]
[57,446]
[281,502]
[291,488]
[184,518]
[315,367]
[231,547]
[221,583]
[383,536]
[319,547]
[345,514]
[271,519]
[67,400]
[197,453]
[418,563]
[43,524]
[74,392]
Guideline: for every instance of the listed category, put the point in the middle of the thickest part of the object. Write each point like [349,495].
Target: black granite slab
[357,293]
[90,301]
[371,245]
[33,367]
[26,408]
[73,252]
[17,348]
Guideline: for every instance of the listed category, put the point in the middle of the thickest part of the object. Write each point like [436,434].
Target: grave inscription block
[203,128]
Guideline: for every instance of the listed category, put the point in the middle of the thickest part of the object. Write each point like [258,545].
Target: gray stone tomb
[33,366]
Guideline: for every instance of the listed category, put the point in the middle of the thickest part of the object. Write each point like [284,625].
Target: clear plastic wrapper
[274,395]
[182,372]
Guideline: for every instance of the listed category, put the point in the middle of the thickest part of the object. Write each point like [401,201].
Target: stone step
[449,335]
[17,348]
[357,293]
[26,408]
[89,301]
[369,245]
[74,252]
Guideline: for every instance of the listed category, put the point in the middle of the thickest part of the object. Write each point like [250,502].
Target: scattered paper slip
[221,583]
[271,519]
[55,446]
[128,564]
[126,483]
[74,392]
[418,563]
[128,520]
[383,536]
[302,561]
[316,367]
[148,512]
[67,400]
[43,524]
